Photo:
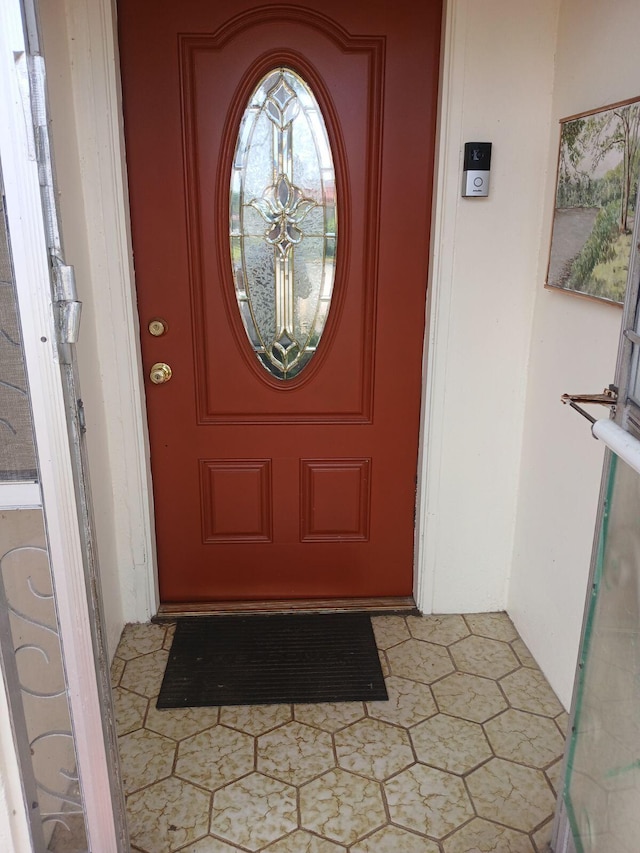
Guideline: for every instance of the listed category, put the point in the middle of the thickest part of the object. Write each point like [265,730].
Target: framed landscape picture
[596,191]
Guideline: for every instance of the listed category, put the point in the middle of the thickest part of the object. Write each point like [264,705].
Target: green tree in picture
[595,201]
[586,143]
[617,130]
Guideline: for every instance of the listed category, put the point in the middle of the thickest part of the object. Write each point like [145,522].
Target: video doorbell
[475,175]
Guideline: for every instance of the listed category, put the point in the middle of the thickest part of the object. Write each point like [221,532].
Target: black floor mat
[260,660]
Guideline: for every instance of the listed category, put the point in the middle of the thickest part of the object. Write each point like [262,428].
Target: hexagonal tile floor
[463,758]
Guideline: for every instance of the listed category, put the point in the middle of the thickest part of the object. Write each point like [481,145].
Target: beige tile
[443,630]
[254,811]
[554,775]
[619,842]
[130,709]
[526,738]
[469,697]
[117,668]
[389,630]
[140,639]
[562,722]
[167,816]
[624,818]
[69,834]
[593,792]
[419,661]
[483,656]
[450,743]
[144,674]
[527,690]
[295,753]
[524,655]
[341,806]
[302,842]
[598,748]
[392,839]
[497,626]
[481,836]
[428,801]
[180,723]
[209,844]
[145,758]
[409,702]
[373,748]
[329,716]
[255,719]
[215,757]
[384,663]
[542,838]
[515,796]
[168,638]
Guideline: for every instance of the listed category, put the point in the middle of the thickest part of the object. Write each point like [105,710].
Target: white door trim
[446,185]
[95,79]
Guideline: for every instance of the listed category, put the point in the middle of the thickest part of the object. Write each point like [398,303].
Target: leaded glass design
[283,222]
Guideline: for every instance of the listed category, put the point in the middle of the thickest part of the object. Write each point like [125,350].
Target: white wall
[498,79]
[573,349]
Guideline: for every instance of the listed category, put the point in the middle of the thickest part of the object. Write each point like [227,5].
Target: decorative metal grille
[29,629]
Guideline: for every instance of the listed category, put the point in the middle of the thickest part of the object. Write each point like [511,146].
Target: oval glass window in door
[283,228]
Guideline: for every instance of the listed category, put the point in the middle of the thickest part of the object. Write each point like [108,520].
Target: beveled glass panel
[282,222]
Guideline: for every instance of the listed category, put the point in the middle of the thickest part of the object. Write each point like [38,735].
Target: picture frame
[596,191]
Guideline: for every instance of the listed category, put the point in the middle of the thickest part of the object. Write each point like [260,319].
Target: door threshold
[384,606]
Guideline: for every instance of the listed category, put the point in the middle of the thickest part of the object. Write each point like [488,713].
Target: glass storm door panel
[283,222]
[598,806]
[602,790]
[285,247]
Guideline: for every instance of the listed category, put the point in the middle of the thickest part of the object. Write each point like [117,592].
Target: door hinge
[68,308]
[609,397]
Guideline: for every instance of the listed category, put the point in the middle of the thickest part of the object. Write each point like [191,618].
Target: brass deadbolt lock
[160,373]
[158,327]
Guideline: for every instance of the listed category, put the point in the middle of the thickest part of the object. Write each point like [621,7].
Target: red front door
[268,487]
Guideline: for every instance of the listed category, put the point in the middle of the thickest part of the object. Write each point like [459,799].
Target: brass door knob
[157,327]
[159,373]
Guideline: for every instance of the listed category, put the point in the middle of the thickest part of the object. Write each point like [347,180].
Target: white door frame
[95,79]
